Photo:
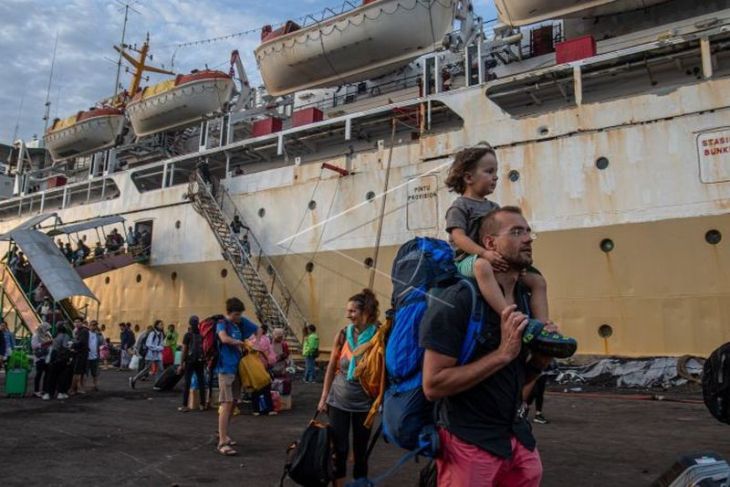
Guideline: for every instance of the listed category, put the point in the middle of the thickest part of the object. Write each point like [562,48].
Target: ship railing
[277,287]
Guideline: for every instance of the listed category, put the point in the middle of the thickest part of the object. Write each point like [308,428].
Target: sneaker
[45,397]
[37,394]
[539,418]
[550,344]
[131,382]
[62,396]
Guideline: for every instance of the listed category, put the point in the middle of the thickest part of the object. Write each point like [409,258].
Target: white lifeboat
[177,102]
[83,133]
[523,12]
[369,41]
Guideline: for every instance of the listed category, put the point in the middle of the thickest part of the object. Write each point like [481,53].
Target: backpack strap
[476,322]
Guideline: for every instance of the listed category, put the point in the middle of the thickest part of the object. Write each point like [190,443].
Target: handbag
[252,372]
[311,460]
[134,362]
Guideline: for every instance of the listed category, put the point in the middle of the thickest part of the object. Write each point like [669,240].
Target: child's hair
[465,161]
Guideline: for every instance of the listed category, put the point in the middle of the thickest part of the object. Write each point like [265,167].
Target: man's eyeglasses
[518,233]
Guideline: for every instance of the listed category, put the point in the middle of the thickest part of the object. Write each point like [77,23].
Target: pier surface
[120,436]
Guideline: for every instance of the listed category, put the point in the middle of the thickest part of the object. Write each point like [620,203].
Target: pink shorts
[463,465]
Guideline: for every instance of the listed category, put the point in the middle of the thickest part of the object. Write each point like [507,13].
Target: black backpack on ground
[310,461]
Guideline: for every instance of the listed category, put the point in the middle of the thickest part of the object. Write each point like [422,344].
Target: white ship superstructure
[620,161]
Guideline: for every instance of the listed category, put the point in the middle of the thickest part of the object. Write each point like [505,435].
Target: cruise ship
[610,119]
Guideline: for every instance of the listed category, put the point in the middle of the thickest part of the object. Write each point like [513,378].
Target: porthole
[177,224]
[607,245]
[513,175]
[370,196]
[173,276]
[262,212]
[136,328]
[139,277]
[309,267]
[312,205]
[270,270]
[107,280]
[224,273]
[103,327]
[602,163]
[368,262]
[605,331]
[543,131]
[713,237]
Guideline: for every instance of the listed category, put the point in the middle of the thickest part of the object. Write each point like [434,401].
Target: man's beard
[519,262]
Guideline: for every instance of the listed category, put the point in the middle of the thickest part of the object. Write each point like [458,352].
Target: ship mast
[47,113]
[139,65]
[127,7]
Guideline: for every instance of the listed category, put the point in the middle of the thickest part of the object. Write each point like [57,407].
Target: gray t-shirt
[466,213]
[348,395]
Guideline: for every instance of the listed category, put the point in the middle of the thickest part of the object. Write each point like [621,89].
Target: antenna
[127,7]
[17,120]
[47,112]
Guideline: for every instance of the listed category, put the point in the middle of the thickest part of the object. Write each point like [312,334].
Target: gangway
[13,294]
[47,266]
[274,303]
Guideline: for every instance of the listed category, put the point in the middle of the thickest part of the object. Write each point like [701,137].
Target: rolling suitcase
[168,380]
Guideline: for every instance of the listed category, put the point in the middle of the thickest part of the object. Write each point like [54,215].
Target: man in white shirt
[96,339]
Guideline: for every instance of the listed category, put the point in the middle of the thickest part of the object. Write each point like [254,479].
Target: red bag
[210,346]
[168,356]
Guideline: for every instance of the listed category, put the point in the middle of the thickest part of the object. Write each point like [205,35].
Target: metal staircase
[273,301]
[14,294]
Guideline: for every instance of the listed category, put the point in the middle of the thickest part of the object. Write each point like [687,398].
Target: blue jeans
[310,368]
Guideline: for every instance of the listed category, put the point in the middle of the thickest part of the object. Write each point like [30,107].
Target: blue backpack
[422,268]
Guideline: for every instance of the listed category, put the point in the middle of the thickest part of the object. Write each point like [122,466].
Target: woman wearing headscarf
[343,398]
[60,369]
[40,343]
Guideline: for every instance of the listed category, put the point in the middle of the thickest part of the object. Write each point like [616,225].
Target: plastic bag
[134,362]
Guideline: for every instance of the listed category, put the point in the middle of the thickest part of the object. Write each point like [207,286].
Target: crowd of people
[114,243]
[65,359]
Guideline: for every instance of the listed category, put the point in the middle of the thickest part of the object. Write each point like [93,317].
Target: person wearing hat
[192,362]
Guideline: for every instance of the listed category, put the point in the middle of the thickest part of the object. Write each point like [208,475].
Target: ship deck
[136,437]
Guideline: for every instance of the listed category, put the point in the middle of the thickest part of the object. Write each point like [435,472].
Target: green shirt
[311,345]
[171,339]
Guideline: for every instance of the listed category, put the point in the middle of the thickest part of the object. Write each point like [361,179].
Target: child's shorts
[466,266]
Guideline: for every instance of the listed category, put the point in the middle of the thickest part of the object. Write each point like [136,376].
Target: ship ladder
[13,294]
[273,302]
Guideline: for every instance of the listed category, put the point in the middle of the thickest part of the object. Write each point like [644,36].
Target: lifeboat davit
[523,12]
[180,101]
[83,133]
[369,41]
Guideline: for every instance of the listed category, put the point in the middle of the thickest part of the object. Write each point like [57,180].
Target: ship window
[713,237]
[605,331]
[107,280]
[370,196]
[173,276]
[262,212]
[270,270]
[514,175]
[368,262]
[309,267]
[177,224]
[224,273]
[607,245]
[602,163]
[148,179]
[139,277]
[312,205]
